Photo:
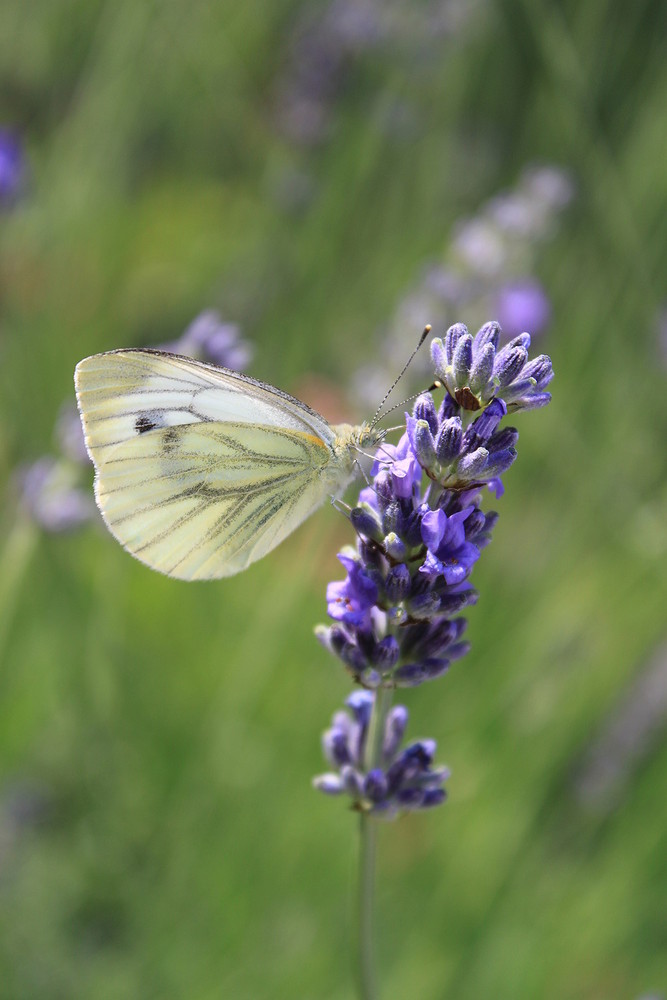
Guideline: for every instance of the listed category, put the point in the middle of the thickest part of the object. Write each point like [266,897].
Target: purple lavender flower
[420,530]
[210,338]
[12,166]
[523,305]
[351,600]
[448,554]
[407,578]
[474,371]
[454,458]
[402,781]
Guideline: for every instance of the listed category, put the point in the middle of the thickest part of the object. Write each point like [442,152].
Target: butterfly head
[368,437]
[362,438]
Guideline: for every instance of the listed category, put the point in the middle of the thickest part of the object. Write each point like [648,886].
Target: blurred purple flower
[52,498]
[523,305]
[210,338]
[486,268]
[328,38]
[12,166]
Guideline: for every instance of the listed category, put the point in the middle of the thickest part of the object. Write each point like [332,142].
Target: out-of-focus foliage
[301,168]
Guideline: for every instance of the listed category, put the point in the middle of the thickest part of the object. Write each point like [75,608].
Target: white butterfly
[200,471]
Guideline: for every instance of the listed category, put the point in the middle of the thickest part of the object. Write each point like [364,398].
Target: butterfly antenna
[378,412]
[432,387]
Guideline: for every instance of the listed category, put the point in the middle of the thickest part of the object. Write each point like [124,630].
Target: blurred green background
[300,167]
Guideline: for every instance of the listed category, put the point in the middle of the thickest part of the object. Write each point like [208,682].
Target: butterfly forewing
[122,393]
[200,471]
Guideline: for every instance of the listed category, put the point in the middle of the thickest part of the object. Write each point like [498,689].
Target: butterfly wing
[199,471]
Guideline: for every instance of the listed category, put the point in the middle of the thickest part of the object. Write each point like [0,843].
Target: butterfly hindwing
[205,500]
[199,471]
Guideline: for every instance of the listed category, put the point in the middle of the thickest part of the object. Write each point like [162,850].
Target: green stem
[20,543]
[368,849]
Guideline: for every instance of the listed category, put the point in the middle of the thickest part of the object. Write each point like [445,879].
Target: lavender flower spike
[420,523]
[405,780]
[420,531]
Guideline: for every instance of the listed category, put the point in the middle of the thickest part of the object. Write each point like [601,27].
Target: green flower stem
[368,828]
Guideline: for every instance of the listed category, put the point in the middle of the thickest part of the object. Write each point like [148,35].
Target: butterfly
[199,470]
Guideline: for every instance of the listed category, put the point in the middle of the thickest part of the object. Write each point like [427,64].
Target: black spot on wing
[148,421]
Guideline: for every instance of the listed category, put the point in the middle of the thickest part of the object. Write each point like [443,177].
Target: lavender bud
[397,583]
[438,355]
[482,369]
[485,425]
[522,340]
[409,675]
[451,604]
[330,784]
[394,547]
[448,440]
[424,409]
[448,408]
[462,360]
[487,334]
[426,670]
[508,366]
[452,338]
[423,444]
[394,729]
[500,462]
[458,650]
[505,438]
[474,524]
[424,606]
[531,402]
[384,489]
[334,745]
[540,368]
[523,387]
[367,522]
[472,466]
[352,781]
[392,518]
[411,798]
[386,654]
[375,785]
[337,639]
[434,797]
